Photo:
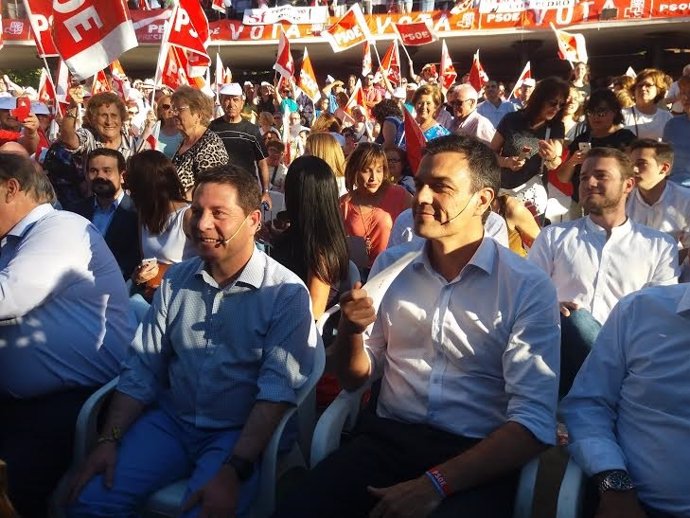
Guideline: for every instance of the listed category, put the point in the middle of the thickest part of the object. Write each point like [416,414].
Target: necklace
[367,229]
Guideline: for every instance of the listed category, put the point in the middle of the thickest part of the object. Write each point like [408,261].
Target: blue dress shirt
[103,217]
[209,353]
[64,305]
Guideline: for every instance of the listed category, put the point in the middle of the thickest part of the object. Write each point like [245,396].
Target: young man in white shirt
[628,413]
[596,260]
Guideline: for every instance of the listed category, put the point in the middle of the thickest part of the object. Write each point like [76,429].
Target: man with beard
[110,209]
[596,260]
[241,138]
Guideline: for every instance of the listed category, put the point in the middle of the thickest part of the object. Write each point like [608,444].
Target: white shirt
[403,229]
[63,304]
[595,272]
[494,114]
[467,356]
[646,126]
[629,407]
[475,125]
[670,214]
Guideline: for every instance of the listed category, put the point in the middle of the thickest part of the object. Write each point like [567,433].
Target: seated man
[466,339]
[215,364]
[64,329]
[596,260]
[628,413]
[111,210]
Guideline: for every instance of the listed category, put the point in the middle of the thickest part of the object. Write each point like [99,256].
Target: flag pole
[409,59]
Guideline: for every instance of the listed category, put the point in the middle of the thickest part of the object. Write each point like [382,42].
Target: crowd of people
[533,260]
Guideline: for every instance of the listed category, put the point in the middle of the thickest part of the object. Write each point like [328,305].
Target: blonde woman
[645,119]
[327,148]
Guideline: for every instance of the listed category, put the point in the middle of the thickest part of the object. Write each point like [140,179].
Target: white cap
[529,82]
[412,86]
[265,83]
[399,93]
[330,79]
[233,89]
[248,83]
[8,103]
[148,83]
[38,108]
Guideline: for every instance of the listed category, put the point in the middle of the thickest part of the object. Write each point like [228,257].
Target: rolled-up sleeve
[589,409]
[289,347]
[531,362]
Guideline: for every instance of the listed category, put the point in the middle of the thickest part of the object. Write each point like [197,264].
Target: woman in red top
[372,202]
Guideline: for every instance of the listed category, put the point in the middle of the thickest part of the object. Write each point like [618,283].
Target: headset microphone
[226,241]
[459,213]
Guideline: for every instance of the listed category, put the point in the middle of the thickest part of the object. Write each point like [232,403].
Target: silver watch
[615,480]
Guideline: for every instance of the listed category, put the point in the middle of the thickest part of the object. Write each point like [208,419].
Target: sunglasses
[553,104]
[599,112]
[166,106]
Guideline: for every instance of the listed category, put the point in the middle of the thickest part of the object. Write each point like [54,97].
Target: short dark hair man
[467,396]
[111,210]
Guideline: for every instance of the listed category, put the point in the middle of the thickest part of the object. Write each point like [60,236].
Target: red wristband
[439,481]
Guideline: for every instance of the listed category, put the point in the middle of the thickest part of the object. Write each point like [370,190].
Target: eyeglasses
[393,160]
[599,112]
[460,102]
[176,111]
[645,85]
[165,106]
[553,104]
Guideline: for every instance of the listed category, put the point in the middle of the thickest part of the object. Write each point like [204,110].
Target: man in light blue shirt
[628,412]
[218,359]
[64,329]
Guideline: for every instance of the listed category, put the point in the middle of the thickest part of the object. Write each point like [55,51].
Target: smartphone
[525,152]
[584,146]
[149,262]
[22,110]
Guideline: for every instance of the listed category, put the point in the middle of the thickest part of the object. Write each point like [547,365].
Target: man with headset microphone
[207,380]
[465,340]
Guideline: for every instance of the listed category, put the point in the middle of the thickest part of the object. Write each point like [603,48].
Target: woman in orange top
[372,202]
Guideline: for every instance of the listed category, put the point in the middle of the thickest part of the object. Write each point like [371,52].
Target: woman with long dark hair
[531,140]
[159,197]
[314,245]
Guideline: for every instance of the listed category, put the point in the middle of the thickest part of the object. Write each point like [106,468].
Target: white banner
[512,6]
[287,13]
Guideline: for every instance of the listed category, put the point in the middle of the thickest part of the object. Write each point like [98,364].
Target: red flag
[348,31]
[227,77]
[448,73]
[174,70]
[357,98]
[40,14]
[367,66]
[90,34]
[525,74]
[100,83]
[415,34]
[62,86]
[144,5]
[390,65]
[571,47]
[218,5]
[284,65]
[478,77]
[307,79]
[189,31]
[118,79]
[46,91]
[415,141]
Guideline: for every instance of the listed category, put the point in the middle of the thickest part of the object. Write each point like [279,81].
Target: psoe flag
[349,31]
[307,79]
[90,34]
[40,13]
[415,34]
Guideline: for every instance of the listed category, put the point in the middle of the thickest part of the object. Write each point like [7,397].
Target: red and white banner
[284,64]
[286,13]
[190,31]
[525,74]
[90,34]
[349,31]
[415,141]
[46,91]
[118,79]
[174,70]
[218,5]
[100,83]
[357,98]
[390,65]
[478,77]
[220,73]
[40,15]
[415,34]
[62,86]
[307,80]
[367,65]
[571,46]
[448,73]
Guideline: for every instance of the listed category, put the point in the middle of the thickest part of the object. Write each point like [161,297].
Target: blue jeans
[578,333]
[156,451]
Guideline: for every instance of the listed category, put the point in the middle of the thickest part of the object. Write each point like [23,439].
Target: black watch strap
[614,480]
[243,467]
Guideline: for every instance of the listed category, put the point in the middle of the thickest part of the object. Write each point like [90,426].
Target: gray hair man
[468,121]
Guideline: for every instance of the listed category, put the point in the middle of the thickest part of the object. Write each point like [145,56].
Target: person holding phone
[18,123]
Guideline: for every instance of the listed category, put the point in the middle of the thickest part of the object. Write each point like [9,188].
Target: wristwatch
[243,467]
[115,436]
[614,480]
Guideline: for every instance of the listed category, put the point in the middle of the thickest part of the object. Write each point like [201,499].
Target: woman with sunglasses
[169,137]
[645,119]
[372,202]
[531,140]
[604,119]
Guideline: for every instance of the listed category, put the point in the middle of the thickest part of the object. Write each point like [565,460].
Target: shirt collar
[113,206]
[252,274]
[662,199]
[32,217]
[484,258]
[619,230]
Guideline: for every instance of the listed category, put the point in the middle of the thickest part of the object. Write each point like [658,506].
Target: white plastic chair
[278,205]
[168,500]
[353,275]
[572,492]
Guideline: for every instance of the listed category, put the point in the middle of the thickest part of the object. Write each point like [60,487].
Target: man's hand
[30,124]
[101,460]
[218,498]
[413,499]
[619,504]
[567,307]
[266,198]
[514,163]
[357,310]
